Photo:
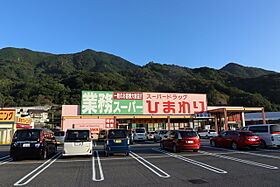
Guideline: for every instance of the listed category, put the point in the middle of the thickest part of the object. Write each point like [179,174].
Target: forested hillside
[36,78]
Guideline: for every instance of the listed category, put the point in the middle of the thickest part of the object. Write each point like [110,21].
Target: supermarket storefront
[154,111]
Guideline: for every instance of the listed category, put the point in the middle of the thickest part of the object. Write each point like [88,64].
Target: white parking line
[5,161]
[100,168]
[149,165]
[248,153]
[34,174]
[194,162]
[269,150]
[240,160]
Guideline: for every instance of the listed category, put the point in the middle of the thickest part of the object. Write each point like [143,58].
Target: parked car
[236,140]
[151,135]
[38,143]
[117,141]
[59,137]
[268,133]
[159,135]
[207,133]
[140,134]
[178,140]
[101,135]
[130,136]
[77,142]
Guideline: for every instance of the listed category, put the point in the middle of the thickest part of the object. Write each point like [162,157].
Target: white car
[151,135]
[77,142]
[268,133]
[140,134]
[207,133]
[159,135]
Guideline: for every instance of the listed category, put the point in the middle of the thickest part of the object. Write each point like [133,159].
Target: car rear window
[140,130]
[275,128]
[247,134]
[27,134]
[59,133]
[114,134]
[78,135]
[188,134]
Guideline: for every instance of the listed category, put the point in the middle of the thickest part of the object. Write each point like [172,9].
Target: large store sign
[7,116]
[101,102]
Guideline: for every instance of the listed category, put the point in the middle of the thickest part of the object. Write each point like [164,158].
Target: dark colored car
[39,143]
[101,135]
[116,141]
[236,140]
[178,140]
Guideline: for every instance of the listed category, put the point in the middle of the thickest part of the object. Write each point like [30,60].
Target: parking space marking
[99,166]
[269,150]
[39,170]
[149,165]
[248,153]
[240,160]
[5,161]
[194,162]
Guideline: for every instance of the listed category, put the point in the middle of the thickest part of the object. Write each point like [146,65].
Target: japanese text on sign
[7,116]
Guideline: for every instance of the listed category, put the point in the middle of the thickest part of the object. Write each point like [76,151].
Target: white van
[77,142]
[140,134]
[268,133]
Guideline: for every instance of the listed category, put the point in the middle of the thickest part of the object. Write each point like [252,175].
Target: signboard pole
[263,116]
[226,120]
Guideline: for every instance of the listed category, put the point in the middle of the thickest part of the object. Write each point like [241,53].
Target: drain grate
[197,181]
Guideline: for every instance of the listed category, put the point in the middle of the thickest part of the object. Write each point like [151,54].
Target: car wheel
[174,149]
[16,158]
[234,146]
[43,154]
[161,145]
[106,154]
[127,154]
[195,150]
[263,144]
[213,143]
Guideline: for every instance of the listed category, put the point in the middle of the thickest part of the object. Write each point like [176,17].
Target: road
[147,165]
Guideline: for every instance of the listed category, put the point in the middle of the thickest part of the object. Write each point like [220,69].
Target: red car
[177,140]
[236,140]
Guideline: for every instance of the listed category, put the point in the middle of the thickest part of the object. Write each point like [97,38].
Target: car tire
[16,158]
[263,144]
[213,143]
[106,154]
[234,145]
[43,154]
[174,149]
[127,154]
[162,146]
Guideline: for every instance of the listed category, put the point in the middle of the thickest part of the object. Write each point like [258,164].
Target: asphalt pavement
[147,165]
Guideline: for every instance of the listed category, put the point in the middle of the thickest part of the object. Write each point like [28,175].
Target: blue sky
[190,33]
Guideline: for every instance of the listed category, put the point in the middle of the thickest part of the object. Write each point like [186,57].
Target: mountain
[35,78]
[246,72]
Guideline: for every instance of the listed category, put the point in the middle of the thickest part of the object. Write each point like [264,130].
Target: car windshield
[27,134]
[77,135]
[188,134]
[115,134]
[59,133]
[140,130]
[247,134]
[275,128]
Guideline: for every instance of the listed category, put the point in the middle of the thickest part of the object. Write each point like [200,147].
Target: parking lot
[147,165]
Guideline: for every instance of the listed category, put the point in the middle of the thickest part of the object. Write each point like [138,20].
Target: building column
[263,116]
[243,124]
[168,122]
[225,120]
[216,124]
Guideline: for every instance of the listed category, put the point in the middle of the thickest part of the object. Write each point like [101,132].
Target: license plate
[78,144]
[253,139]
[118,141]
[26,145]
[189,141]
